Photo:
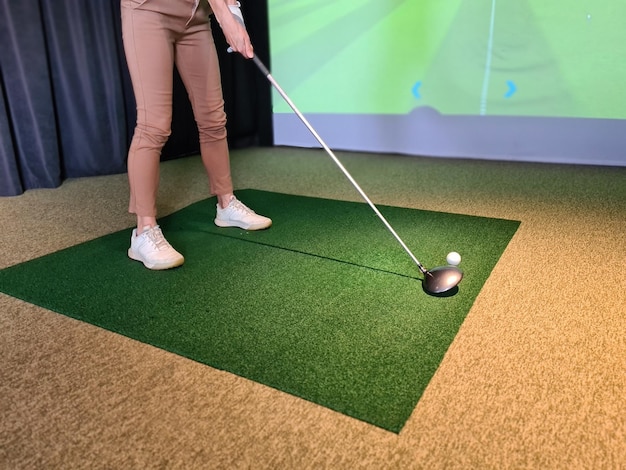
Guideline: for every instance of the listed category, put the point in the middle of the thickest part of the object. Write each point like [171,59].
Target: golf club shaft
[278,88]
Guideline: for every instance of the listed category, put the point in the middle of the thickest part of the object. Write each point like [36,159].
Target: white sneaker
[153,250]
[237,214]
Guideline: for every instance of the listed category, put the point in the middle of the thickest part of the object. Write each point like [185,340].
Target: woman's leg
[149,49]
[197,63]
[150,57]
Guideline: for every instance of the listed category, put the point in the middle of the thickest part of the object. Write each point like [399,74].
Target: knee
[212,134]
[214,129]
[150,135]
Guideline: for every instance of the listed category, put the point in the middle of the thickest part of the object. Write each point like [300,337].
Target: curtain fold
[10,179]
[87,86]
[66,103]
[29,107]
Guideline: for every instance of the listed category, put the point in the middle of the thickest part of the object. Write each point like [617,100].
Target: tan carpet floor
[535,379]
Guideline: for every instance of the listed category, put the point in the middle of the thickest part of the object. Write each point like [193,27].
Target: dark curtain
[66,103]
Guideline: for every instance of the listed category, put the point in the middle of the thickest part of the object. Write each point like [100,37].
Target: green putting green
[325,305]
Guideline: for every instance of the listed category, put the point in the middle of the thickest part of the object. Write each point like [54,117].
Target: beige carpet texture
[535,378]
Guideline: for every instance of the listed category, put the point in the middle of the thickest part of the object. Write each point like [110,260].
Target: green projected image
[558,58]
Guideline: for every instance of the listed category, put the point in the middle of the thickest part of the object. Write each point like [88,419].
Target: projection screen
[528,80]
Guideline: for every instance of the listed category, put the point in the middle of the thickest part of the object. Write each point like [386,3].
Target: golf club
[437,280]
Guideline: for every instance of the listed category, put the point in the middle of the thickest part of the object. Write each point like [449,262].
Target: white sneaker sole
[258,226]
[167,264]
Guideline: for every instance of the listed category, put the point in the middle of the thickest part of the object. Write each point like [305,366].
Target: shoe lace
[239,206]
[157,239]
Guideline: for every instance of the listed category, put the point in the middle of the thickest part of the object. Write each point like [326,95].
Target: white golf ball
[453,258]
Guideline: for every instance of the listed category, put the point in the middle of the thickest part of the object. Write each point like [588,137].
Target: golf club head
[442,279]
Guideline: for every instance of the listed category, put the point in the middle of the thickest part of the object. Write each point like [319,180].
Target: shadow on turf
[452,292]
[225,235]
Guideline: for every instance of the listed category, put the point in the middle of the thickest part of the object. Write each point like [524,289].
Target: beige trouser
[158,34]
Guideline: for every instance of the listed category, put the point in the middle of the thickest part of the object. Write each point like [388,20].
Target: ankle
[224,199]
[143,222]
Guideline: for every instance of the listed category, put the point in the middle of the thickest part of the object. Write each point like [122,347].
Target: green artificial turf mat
[325,305]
